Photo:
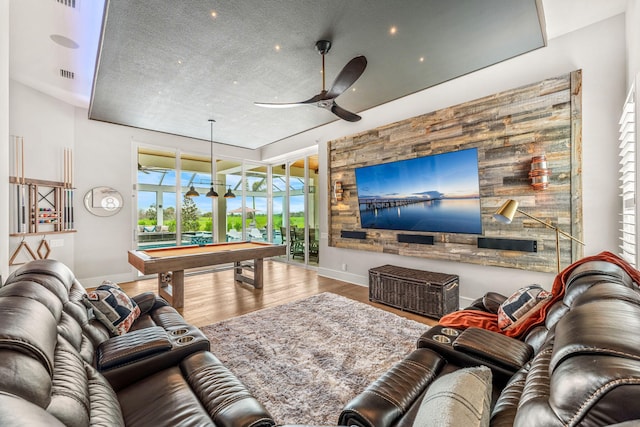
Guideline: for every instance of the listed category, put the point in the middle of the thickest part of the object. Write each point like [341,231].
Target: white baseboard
[94,282]
[345,276]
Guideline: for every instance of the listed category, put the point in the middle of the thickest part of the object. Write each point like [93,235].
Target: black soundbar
[415,238]
[346,234]
[508,244]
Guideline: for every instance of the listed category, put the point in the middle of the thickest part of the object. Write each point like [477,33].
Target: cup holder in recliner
[184,340]
[177,332]
[450,332]
[442,339]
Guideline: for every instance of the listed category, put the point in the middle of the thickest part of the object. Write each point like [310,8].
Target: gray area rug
[306,359]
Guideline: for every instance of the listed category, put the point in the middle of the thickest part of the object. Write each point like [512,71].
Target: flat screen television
[436,193]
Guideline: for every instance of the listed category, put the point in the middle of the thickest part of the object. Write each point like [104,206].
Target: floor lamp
[507,211]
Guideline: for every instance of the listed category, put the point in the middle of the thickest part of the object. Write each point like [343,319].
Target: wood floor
[212,297]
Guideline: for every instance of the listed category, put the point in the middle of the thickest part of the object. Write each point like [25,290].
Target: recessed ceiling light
[277,48]
[64,41]
[422,59]
[393,30]
[214,14]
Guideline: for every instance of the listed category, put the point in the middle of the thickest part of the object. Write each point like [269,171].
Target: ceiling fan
[326,98]
[149,169]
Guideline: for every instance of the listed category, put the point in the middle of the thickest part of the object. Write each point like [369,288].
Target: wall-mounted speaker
[508,244]
[415,238]
[346,234]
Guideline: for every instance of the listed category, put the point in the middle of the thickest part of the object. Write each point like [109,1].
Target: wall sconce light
[337,190]
[507,211]
[539,173]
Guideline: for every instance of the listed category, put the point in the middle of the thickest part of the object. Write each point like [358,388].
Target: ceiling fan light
[191,193]
[229,194]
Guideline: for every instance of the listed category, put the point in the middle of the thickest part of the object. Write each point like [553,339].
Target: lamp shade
[212,192]
[192,192]
[229,194]
[506,212]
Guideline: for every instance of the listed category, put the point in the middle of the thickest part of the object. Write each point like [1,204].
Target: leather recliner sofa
[580,368]
[59,366]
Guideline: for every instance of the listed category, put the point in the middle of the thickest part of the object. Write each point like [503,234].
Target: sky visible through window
[168,178]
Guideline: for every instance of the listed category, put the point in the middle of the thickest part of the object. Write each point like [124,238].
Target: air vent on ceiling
[66,74]
[69,3]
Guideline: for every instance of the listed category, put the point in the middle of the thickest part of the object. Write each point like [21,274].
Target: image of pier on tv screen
[437,193]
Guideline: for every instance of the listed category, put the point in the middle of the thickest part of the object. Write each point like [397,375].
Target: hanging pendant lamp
[229,194]
[191,193]
[212,192]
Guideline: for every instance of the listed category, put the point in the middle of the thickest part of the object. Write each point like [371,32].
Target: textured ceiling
[169,65]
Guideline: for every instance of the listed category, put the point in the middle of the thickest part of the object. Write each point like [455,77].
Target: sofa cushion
[112,307]
[522,304]
[460,398]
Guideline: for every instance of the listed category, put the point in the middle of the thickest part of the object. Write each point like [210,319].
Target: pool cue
[21,189]
[17,182]
[66,189]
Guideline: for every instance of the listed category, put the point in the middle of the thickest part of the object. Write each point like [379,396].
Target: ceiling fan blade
[277,105]
[311,100]
[344,114]
[349,74]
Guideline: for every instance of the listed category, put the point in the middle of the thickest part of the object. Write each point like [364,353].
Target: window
[628,161]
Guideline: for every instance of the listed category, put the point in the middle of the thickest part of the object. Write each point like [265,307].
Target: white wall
[632,16]
[46,125]
[4,138]
[599,50]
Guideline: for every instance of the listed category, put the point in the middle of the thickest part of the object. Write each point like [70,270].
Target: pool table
[170,263]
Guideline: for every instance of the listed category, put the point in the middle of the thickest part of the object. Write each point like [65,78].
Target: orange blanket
[466,318]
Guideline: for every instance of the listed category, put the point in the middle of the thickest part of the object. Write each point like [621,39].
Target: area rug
[306,359]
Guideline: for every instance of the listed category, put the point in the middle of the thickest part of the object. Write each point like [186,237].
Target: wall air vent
[66,74]
[68,3]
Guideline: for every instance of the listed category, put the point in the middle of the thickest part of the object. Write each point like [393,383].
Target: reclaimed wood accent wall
[508,129]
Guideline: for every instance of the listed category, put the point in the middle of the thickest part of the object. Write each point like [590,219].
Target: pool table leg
[255,281]
[171,287]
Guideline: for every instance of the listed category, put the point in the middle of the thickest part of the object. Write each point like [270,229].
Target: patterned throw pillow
[112,307]
[522,304]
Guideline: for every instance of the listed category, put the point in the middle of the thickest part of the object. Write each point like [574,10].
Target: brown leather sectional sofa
[580,368]
[58,366]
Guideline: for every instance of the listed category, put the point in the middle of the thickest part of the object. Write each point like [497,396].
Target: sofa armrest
[156,350]
[127,348]
[489,302]
[387,399]
[488,345]
[148,301]
[502,354]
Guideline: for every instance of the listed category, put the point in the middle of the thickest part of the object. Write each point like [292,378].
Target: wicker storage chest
[418,291]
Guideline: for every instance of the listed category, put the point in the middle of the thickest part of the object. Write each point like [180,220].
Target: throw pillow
[112,307]
[460,398]
[522,304]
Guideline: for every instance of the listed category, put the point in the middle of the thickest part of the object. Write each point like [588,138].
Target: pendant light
[229,194]
[212,192]
[191,193]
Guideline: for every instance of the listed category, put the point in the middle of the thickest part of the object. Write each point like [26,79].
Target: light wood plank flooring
[212,297]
